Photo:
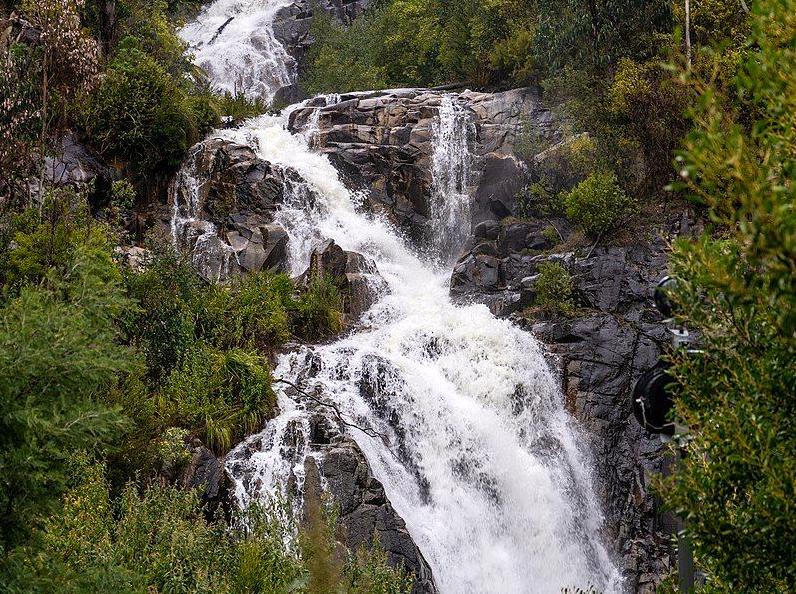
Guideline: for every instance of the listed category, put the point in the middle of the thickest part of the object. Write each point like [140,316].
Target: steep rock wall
[381,140]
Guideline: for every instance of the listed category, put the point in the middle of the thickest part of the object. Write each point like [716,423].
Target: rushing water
[481,459]
[451,167]
[479,455]
[233,40]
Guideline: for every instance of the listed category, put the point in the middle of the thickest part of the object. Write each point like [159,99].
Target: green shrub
[60,352]
[598,203]
[253,312]
[318,310]
[140,115]
[345,58]
[156,539]
[219,396]
[736,486]
[551,234]
[164,327]
[554,288]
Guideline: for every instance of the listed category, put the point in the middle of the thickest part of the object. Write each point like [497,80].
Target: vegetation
[105,372]
[598,203]
[159,540]
[554,288]
[738,286]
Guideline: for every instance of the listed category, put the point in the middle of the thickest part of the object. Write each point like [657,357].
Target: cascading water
[481,459]
[233,40]
[210,256]
[450,168]
[476,453]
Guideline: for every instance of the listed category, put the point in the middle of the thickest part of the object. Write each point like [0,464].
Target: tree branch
[337,412]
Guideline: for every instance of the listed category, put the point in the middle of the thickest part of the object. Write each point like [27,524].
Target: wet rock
[382,141]
[366,516]
[356,276]
[502,178]
[225,200]
[205,473]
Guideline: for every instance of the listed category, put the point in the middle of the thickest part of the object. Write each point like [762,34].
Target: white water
[451,166]
[480,459]
[241,55]
[482,462]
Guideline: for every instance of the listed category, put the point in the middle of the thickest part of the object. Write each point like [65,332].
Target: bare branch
[337,412]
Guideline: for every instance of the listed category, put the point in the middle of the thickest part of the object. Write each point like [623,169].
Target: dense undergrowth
[106,371]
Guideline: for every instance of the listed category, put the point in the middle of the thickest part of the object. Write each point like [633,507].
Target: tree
[58,354]
[599,32]
[737,286]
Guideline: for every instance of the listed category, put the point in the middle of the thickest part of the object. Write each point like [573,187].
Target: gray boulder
[223,204]
[366,516]
[355,275]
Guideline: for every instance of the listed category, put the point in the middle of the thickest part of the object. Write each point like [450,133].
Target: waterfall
[450,169]
[213,258]
[479,455]
[233,40]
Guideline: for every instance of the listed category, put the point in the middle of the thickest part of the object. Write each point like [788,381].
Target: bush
[219,396]
[138,113]
[598,203]
[59,352]
[554,288]
[318,310]
[252,313]
[737,286]
[156,539]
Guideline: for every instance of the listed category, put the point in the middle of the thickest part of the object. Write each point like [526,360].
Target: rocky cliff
[381,141]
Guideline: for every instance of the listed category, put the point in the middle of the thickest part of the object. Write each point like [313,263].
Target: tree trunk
[108,24]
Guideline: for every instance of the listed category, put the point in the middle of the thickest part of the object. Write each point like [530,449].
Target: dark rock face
[366,515]
[229,187]
[205,473]
[500,262]
[356,277]
[601,352]
[383,142]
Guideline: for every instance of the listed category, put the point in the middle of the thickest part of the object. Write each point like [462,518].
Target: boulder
[366,517]
[223,204]
[354,275]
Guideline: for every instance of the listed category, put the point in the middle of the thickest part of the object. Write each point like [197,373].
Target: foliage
[157,539]
[424,42]
[253,312]
[59,353]
[599,32]
[738,287]
[20,117]
[220,396]
[553,288]
[598,204]
[138,113]
[345,59]
[318,312]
